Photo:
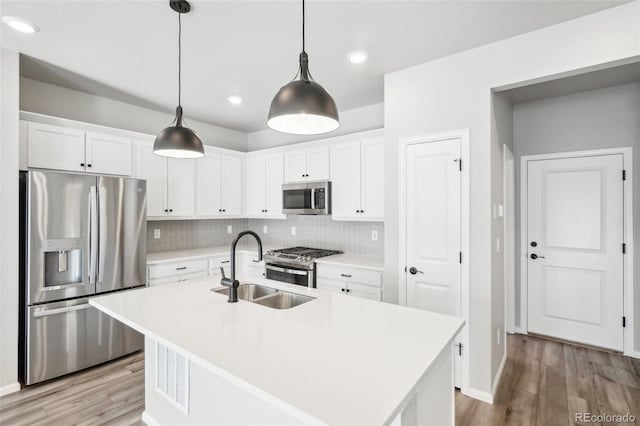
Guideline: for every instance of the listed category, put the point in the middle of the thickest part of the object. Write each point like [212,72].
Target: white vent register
[172,376]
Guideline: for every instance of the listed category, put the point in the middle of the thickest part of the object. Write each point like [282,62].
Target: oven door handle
[286,270]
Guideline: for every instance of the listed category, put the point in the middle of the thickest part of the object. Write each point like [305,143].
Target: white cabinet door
[273,180]
[364,291]
[372,179]
[53,147]
[153,169]
[208,185]
[108,154]
[318,163]
[345,180]
[295,166]
[231,186]
[255,186]
[181,194]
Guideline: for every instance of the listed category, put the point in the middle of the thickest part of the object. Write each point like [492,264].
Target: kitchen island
[334,360]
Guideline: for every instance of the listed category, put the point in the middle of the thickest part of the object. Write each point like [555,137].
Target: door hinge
[624,175]
[459,345]
[624,248]
[460,257]
[624,321]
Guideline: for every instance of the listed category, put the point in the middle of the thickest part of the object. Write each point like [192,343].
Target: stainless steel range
[294,265]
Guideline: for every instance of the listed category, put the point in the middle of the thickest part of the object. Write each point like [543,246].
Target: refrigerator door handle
[93,234]
[56,311]
[102,198]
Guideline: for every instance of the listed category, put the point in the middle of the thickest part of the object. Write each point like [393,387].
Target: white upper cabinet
[181,177]
[264,178]
[219,185]
[372,178]
[208,185]
[306,164]
[53,147]
[231,179]
[64,148]
[345,180]
[153,169]
[108,154]
[357,179]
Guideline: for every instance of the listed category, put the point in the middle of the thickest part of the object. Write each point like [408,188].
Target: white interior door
[433,228]
[575,261]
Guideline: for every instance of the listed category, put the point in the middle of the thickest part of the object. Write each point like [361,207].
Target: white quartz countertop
[336,359]
[177,255]
[354,260]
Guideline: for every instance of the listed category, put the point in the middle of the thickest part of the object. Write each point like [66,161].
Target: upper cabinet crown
[357,175]
[63,148]
[306,164]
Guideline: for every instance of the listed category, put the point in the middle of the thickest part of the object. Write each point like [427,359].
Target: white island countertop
[335,360]
[354,260]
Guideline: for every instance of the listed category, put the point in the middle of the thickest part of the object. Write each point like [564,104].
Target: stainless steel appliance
[294,265]
[80,236]
[313,198]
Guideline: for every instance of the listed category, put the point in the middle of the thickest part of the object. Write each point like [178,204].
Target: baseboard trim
[148,420]
[7,389]
[632,354]
[498,377]
[479,395]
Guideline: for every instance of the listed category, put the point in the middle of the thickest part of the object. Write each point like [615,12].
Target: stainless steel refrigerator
[80,236]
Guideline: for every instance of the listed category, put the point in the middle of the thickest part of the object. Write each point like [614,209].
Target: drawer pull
[225,261]
[256,261]
[182,268]
[346,275]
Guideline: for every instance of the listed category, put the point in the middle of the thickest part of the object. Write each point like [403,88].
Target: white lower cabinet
[350,281]
[174,272]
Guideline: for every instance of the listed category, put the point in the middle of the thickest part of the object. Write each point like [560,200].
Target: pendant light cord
[303,25]
[179,57]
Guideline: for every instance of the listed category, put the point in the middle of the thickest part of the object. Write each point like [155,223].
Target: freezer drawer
[64,337]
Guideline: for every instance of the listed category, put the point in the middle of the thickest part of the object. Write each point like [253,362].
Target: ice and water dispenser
[62,261]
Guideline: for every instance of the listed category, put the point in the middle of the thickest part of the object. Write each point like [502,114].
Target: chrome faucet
[231,282]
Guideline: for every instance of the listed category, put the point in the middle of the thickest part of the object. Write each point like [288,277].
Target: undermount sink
[267,296]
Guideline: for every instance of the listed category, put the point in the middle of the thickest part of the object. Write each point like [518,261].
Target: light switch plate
[293,230]
[229,229]
[374,235]
[156,234]
[264,229]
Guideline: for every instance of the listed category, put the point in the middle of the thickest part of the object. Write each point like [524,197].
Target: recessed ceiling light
[21,25]
[236,100]
[357,57]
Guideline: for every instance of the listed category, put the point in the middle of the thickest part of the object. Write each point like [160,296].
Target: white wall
[455,93]
[595,119]
[351,121]
[45,98]
[9,75]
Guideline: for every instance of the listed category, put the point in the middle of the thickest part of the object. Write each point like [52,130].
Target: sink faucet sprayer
[231,282]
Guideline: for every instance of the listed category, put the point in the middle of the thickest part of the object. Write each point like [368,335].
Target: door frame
[465,203]
[627,159]
[509,238]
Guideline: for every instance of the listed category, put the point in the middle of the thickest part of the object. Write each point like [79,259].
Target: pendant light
[178,141]
[303,107]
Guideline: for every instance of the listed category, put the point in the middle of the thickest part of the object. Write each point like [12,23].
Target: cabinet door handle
[342,289]
[225,261]
[255,261]
[348,291]
[88,165]
[182,268]
[81,164]
[346,275]
[170,210]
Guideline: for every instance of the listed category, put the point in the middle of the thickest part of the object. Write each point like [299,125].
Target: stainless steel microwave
[307,198]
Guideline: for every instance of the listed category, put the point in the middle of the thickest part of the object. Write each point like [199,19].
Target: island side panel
[211,400]
[433,403]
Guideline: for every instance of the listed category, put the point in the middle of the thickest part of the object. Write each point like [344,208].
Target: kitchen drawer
[193,276]
[162,270]
[350,289]
[349,274]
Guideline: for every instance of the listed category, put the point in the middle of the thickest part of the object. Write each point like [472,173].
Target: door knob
[535,256]
[413,270]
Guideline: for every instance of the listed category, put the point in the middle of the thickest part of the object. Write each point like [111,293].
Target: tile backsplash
[312,231]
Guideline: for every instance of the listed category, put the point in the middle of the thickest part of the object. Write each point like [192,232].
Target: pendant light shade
[303,107]
[178,141]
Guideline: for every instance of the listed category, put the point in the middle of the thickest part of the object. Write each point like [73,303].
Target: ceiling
[128,50]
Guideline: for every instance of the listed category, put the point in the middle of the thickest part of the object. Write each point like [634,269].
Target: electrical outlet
[264,229]
[229,229]
[374,235]
[156,234]
[293,230]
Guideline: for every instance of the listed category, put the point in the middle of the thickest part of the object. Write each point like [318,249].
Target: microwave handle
[313,198]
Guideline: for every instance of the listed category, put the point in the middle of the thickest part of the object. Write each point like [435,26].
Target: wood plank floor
[547,382]
[110,394]
[544,383]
